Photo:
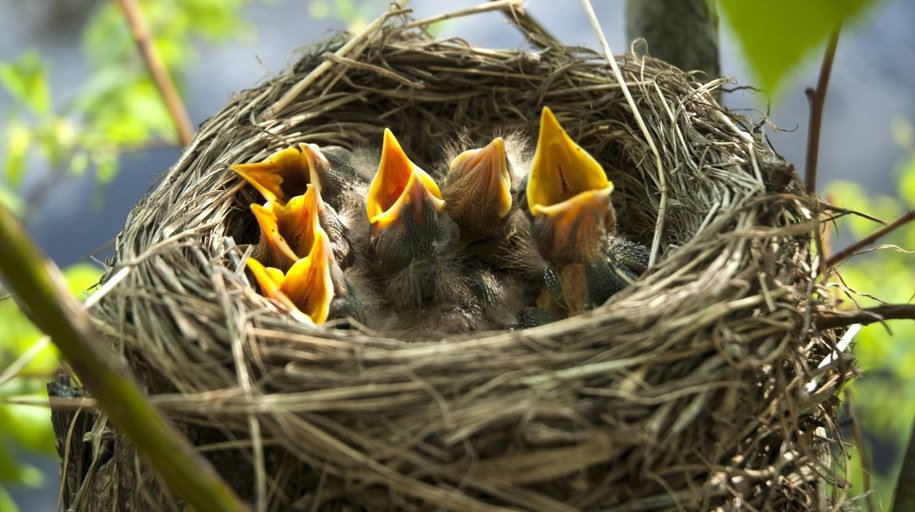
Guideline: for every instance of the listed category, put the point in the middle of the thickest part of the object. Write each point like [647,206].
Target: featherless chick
[479,190]
[574,223]
[302,271]
[480,193]
[424,278]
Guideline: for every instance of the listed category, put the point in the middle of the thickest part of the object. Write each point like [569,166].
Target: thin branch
[662,179]
[865,316]
[817,98]
[494,5]
[297,89]
[905,484]
[530,28]
[838,257]
[160,75]
[41,292]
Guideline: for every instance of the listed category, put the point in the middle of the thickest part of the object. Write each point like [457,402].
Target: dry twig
[163,81]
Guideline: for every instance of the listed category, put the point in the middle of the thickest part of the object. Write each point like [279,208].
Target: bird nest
[694,388]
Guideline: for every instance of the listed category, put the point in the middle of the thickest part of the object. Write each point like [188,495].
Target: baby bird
[411,236]
[573,221]
[286,173]
[426,282]
[312,286]
[479,193]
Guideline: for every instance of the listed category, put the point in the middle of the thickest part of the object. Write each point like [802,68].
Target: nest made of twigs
[687,390]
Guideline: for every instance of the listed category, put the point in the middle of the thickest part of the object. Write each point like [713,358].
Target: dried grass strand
[687,389]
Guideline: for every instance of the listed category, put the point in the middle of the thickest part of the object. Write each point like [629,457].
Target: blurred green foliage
[884,397]
[777,35]
[118,108]
[26,427]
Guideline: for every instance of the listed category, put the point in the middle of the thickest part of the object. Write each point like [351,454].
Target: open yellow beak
[307,287]
[283,175]
[561,169]
[477,191]
[399,188]
[287,231]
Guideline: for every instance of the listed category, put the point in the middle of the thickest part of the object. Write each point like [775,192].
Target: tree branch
[39,288]
[157,69]
[817,98]
[838,257]
[865,316]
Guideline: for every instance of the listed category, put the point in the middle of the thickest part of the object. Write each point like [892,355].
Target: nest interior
[688,390]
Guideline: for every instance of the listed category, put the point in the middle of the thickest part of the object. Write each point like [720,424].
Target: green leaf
[27,81]
[18,141]
[81,277]
[907,182]
[777,35]
[31,427]
[6,501]
[106,165]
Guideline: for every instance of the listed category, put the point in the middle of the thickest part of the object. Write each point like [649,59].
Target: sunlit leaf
[18,143]
[27,81]
[907,182]
[107,40]
[32,428]
[16,331]
[81,277]
[79,162]
[106,165]
[777,35]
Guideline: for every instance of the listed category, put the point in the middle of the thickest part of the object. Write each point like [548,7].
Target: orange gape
[512,234]
[568,196]
[294,260]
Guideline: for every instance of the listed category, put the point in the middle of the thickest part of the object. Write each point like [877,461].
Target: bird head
[400,188]
[307,286]
[477,191]
[576,229]
[286,173]
[281,176]
[568,195]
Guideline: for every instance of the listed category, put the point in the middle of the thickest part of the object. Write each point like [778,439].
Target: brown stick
[530,28]
[873,237]
[865,316]
[817,98]
[157,69]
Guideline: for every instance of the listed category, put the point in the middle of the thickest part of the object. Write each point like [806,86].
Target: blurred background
[83,136]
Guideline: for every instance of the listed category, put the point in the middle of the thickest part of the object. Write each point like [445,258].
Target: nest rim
[733,236]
